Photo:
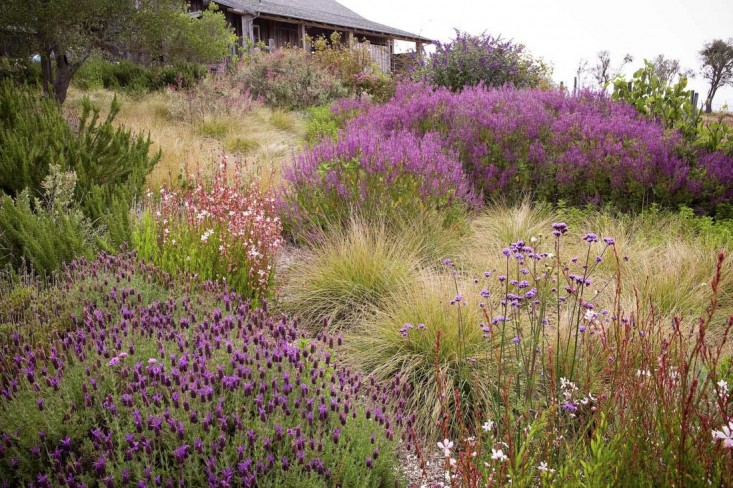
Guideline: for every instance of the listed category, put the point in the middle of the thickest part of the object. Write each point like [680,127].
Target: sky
[563,32]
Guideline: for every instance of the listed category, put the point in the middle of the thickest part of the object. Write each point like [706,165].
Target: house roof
[327,12]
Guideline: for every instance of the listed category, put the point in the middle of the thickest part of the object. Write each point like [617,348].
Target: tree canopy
[717,67]
[66,32]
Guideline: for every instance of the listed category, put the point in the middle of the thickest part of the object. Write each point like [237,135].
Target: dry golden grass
[666,265]
[265,138]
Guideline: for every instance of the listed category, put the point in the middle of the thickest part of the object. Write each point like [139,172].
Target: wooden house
[279,23]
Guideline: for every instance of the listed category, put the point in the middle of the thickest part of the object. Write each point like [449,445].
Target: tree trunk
[64,73]
[709,99]
[46,72]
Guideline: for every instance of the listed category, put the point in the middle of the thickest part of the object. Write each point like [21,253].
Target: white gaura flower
[725,435]
[445,445]
[543,467]
[498,455]
[488,426]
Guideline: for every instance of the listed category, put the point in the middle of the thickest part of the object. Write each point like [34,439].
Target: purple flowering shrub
[585,149]
[188,386]
[374,172]
[469,60]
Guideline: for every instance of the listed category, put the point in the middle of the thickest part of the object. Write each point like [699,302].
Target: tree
[66,32]
[668,69]
[717,67]
[602,71]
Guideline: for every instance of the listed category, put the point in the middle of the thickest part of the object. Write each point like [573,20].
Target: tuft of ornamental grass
[284,121]
[214,127]
[402,340]
[343,276]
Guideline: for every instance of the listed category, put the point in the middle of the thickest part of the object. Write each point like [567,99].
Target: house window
[256,33]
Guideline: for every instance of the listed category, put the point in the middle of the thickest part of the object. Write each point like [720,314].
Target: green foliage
[288,78]
[354,66]
[40,237]
[131,77]
[109,166]
[659,99]
[19,70]
[152,29]
[322,122]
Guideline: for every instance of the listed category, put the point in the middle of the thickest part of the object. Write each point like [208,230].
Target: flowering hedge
[187,388]
[219,227]
[585,149]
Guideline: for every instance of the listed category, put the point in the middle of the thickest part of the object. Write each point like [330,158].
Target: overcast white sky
[563,32]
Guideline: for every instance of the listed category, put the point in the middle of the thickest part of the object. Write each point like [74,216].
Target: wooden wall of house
[284,33]
[235,20]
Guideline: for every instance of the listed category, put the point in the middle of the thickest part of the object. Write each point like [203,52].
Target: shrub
[131,77]
[326,121]
[665,102]
[110,165]
[219,227]
[45,234]
[214,95]
[353,65]
[288,78]
[377,174]
[19,70]
[471,60]
[195,388]
[585,149]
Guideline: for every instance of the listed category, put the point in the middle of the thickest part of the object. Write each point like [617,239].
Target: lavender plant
[196,388]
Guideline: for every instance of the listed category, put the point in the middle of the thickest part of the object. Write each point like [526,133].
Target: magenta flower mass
[509,143]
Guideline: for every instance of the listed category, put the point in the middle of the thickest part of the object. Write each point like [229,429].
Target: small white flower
[725,434]
[488,426]
[498,455]
[543,467]
[590,315]
[723,385]
[446,445]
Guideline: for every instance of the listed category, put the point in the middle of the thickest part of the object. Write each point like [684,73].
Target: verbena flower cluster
[221,227]
[664,388]
[194,389]
[585,149]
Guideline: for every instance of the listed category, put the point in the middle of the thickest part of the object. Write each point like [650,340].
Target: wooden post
[247,29]
[271,45]
[304,38]
[420,51]
[575,86]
